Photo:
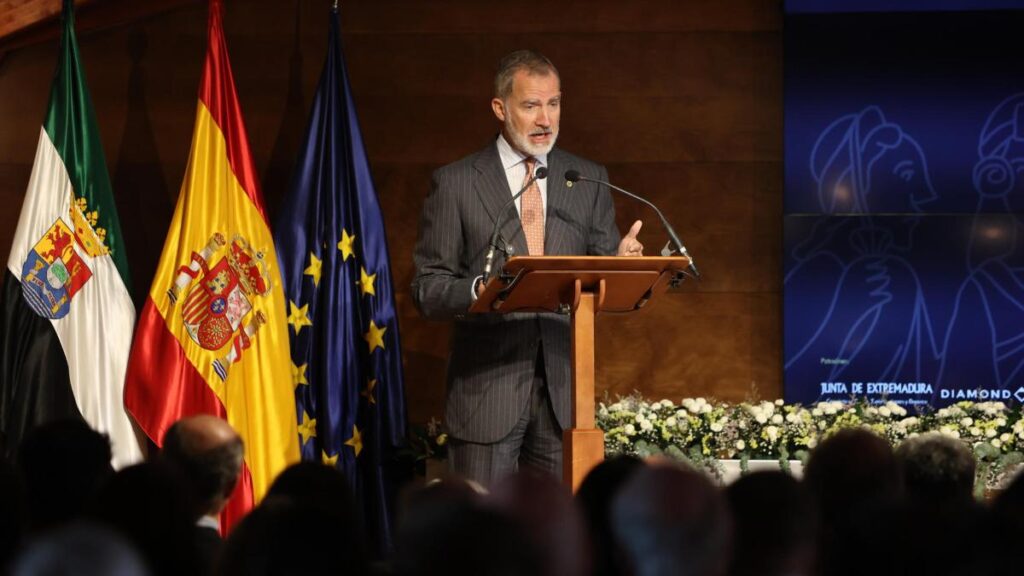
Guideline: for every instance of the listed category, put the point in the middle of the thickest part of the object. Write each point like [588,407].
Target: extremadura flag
[66,313]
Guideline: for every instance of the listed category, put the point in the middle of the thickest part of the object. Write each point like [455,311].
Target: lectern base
[583,449]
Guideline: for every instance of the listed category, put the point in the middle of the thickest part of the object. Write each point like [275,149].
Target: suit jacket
[208,546]
[492,356]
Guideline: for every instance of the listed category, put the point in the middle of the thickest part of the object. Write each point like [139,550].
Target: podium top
[553,283]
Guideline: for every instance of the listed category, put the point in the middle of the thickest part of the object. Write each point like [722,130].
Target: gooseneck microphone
[574,176]
[539,174]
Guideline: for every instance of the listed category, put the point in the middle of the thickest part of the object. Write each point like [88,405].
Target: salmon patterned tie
[532,212]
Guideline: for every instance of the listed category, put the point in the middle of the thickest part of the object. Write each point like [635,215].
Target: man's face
[531,112]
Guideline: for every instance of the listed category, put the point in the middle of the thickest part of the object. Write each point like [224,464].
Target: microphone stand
[573,176]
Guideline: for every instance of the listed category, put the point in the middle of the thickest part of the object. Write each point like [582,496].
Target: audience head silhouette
[148,504]
[775,526]
[63,463]
[81,549]
[449,529]
[594,497]
[670,520]
[209,452]
[936,469]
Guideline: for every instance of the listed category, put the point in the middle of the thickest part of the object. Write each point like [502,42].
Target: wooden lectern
[580,286]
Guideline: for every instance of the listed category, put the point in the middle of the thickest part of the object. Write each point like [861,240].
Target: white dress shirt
[514,164]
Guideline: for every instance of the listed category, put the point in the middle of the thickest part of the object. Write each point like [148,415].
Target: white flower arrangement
[703,432]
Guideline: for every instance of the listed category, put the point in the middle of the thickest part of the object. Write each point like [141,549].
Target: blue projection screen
[904,207]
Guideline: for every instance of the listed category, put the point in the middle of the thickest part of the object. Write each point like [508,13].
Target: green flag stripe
[71,124]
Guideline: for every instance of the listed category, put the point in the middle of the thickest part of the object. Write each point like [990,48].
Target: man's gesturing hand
[630,246]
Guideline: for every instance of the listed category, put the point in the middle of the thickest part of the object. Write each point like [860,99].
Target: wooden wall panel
[711,345]
[681,100]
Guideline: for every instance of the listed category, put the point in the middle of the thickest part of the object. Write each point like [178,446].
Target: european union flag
[346,357]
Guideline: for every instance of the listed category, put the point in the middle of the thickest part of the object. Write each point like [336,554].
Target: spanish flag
[213,336]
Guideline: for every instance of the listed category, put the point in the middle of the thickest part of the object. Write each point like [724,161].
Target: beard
[521,141]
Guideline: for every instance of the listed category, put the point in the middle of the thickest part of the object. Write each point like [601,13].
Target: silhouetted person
[856,485]
[287,536]
[1008,528]
[314,483]
[775,526]
[209,452]
[149,505]
[594,498]
[12,512]
[63,463]
[668,520]
[945,530]
[544,508]
[80,549]
[447,529]
[936,469]
[325,488]
[852,468]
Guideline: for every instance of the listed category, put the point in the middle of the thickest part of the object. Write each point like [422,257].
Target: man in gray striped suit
[509,384]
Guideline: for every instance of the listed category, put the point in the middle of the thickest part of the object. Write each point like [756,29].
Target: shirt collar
[510,157]
[209,522]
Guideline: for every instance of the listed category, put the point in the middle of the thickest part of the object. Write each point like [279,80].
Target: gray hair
[937,466]
[212,470]
[533,62]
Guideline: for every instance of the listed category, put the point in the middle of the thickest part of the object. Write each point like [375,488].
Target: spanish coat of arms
[217,309]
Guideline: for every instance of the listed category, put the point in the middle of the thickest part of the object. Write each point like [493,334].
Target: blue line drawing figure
[864,164]
[984,344]
[855,310]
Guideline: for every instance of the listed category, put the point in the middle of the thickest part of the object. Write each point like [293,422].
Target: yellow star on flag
[375,336]
[368,393]
[330,460]
[299,375]
[366,282]
[307,428]
[299,317]
[314,268]
[356,441]
[346,245]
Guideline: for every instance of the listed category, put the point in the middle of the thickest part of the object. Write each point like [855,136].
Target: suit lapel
[556,226]
[492,187]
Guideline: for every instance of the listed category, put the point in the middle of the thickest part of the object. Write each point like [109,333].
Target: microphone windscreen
[572,175]
[541,173]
